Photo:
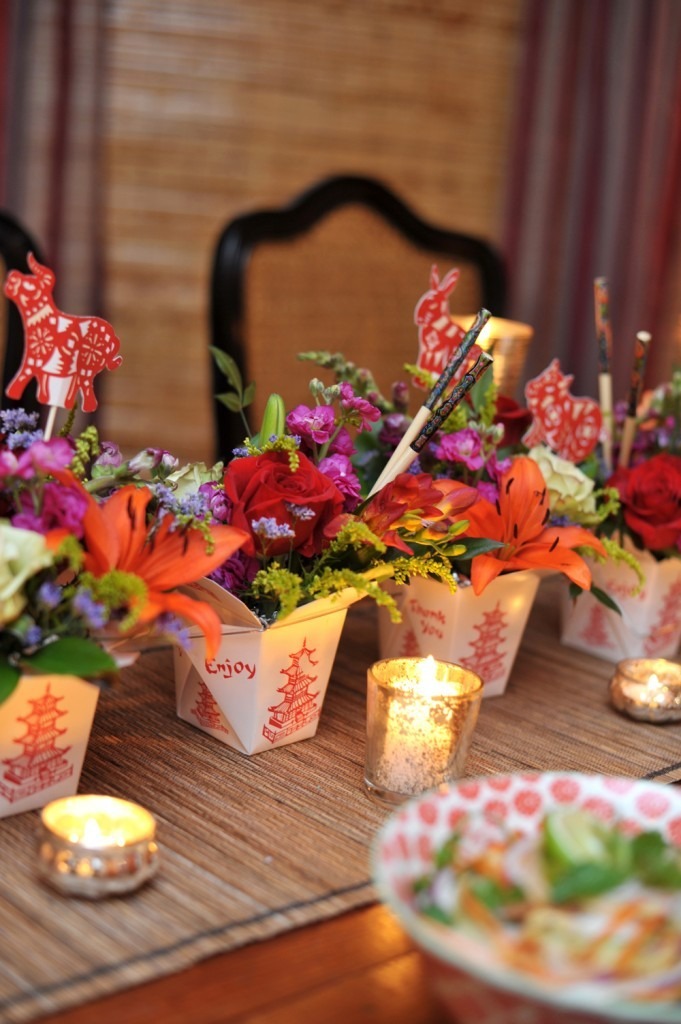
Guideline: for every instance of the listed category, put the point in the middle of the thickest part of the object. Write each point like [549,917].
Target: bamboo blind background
[216,108]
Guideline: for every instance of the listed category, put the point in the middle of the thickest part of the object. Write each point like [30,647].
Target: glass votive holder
[96,846]
[421,714]
[648,689]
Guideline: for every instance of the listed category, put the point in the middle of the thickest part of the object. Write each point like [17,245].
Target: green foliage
[71,655]
[362,380]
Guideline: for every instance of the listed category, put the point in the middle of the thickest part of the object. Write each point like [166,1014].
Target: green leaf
[9,677]
[605,599]
[657,862]
[231,400]
[227,365]
[72,654]
[249,394]
[435,913]
[493,894]
[479,546]
[585,880]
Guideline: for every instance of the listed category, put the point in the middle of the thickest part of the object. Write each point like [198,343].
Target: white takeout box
[44,731]
[650,623]
[481,633]
[266,685]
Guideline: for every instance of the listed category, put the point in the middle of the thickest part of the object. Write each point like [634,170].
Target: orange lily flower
[116,536]
[518,520]
[417,505]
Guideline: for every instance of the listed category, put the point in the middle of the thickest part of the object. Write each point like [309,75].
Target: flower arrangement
[649,486]
[535,509]
[89,557]
[295,490]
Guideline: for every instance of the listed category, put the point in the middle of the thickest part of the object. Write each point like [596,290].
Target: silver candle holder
[96,846]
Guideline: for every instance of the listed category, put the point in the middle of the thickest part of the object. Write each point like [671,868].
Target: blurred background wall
[133,130]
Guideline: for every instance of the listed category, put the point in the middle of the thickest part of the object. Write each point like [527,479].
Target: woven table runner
[254,846]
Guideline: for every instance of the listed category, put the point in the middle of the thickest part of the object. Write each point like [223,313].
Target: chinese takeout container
[44,731]
[482,633]
[266,685]
[650,623]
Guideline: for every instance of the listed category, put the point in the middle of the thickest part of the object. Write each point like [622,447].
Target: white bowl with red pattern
[473,987]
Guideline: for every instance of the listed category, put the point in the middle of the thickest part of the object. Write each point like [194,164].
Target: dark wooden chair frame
[236,242]
[15,245]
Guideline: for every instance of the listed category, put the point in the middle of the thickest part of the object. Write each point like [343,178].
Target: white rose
[188,479]
[23,553]
[570,491]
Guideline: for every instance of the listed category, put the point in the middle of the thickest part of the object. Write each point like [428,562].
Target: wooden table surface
[360,966]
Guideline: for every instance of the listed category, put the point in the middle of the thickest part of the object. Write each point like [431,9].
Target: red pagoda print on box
[299,706]
[596,632]
[207,711]
[488,648]
[667,622]
[42,763]
[409,648]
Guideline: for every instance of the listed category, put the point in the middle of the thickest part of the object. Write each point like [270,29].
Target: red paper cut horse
[63,352]
[438,335]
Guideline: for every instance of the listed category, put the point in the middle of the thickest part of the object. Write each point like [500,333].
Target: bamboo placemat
[255,846]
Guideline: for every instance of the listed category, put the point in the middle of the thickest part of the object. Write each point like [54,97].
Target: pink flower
[44,457]
[312,425]
[364,412]
[339,468]
[62,507]
[463,446]
[342,443]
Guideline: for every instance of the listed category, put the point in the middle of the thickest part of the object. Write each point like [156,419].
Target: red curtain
[594,183]
[50,132]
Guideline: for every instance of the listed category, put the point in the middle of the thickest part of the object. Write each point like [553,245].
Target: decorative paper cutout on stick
[63,352]
[570,426]
[438,335]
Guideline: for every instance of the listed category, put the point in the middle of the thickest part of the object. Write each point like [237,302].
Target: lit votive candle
[96,846]
[421,714]
[648,689]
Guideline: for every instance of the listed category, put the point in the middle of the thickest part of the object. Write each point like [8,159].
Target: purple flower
[217,501]
[94,614]
[464,446]
[340,469]
[313,425]
[267,528]
[24,439]
[173,628]
[49,595]
[237,573]
[400,393]
[152,458]
[61,507]
[34,635]
[18,419]
[363,412]
[393,429]
[496,467]
[488,491]
[301,512]
[110,456]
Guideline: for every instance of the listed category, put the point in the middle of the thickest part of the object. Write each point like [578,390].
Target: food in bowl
[542,898]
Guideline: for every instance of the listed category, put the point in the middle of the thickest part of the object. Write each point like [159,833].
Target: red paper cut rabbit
[438,335]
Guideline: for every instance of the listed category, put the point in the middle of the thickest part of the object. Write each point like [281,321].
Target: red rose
[264,487]
[514,418]
[650,494]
